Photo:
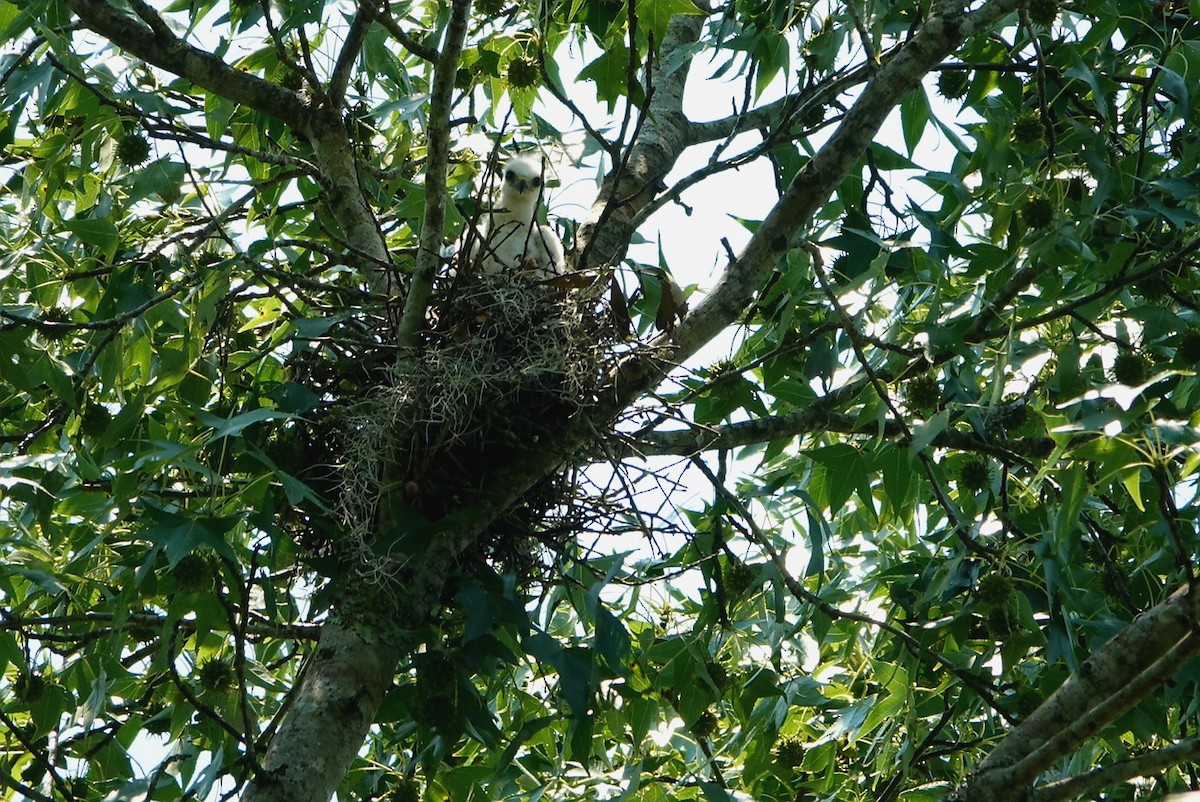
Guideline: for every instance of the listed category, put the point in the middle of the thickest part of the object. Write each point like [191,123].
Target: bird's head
[523,175]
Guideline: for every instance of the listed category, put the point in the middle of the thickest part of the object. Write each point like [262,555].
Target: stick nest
[502,356]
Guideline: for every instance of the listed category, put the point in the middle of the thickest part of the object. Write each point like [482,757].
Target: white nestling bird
[511,238]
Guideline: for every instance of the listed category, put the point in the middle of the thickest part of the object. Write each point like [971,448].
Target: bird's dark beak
[522,185]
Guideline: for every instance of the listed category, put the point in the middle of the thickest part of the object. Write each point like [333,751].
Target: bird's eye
[537,182]
[509,175]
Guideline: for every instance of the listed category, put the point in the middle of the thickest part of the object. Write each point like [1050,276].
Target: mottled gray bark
[343,682]
[1122,672]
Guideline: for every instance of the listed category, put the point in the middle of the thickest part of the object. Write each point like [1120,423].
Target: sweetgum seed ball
[974,475]
[1012,415]
[739,577]
[994,588]
[922,393]
[28,688]
[705,725]
[523,73]
[953,84]
[1130,368]
[193,573]
[1038,212]
[1000,623]
[215,674]
[718,674]
[1175,145]
[1188,351]
[789,752]
[1043,12]
[1026,700]
[1028,129]
[840,268]
[132,150]
[403,791]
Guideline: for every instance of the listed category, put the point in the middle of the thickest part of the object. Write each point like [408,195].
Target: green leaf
[100,233]
[914,118]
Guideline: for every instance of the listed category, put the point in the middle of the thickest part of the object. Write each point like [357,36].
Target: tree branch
[1087,784]
[1087,725]
[157,45]
[812,185]
[814,418]
[777,115]
[418,49]
[756,535]
[1128,655]
[438,154]
[336,91]
[604,236]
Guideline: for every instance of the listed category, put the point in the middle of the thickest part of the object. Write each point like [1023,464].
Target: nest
[502,356]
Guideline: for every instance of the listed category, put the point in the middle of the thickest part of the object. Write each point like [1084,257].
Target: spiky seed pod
[28,688]
[96,419]
[436,712]
[154,721]
[1075,189]
[58,315]
[1011,415]
[1043,12]
[922,393]
[1038,212]
[133,149]
[789,752]
[718,675]
[705,725]
[1177,143]
[994,589]
[215,674]
[1026,700]
[1130,368]
[974,474]
[1000,622]
[738,578]
[292,80]
[194,574]
[813,116]
[1028,130]
[840,268]
[403,791]
[1188,350]
[523,73]
[953,84]
[77,787]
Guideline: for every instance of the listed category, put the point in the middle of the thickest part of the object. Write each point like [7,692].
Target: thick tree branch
[158,46]
[812,185]
[438,155]
[331,712]
[1133,652]
[604,236]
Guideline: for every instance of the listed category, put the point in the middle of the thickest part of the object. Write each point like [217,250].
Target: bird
[511,239]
